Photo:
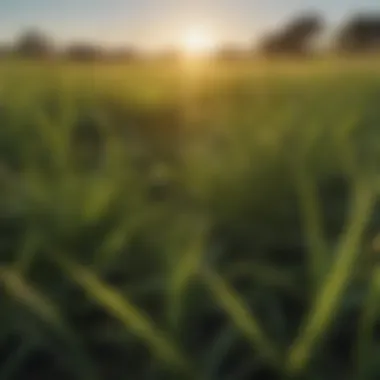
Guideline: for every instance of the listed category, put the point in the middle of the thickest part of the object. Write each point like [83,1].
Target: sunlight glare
[197,42]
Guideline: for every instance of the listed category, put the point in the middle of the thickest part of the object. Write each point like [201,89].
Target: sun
[197,42]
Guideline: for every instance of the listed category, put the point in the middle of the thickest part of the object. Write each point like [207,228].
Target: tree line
[298,37]
[360,34]
[34,43]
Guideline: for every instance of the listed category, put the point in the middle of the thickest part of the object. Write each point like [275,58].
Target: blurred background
[189,190]
[123,31]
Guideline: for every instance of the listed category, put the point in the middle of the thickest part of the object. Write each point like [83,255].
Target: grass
[195,222]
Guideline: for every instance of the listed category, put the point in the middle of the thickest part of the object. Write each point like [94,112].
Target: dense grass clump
[189,223]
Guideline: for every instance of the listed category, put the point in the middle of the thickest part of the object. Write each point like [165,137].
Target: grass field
[196,222]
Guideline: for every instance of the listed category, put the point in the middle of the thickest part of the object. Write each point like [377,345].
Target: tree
[34,44]
[84,52]
[294,38]
[361,33]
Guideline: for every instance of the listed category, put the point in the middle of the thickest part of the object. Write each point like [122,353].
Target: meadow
[204,221]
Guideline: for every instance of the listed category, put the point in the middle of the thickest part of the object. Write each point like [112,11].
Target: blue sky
[160,22]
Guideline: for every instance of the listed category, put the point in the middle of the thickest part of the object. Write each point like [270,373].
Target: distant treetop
[361,33]
[295,37]
[34,44]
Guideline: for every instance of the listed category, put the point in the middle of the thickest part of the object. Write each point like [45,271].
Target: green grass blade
[18,289]
[313,223]
[219,351]
[234,307]
[181,274]
[366,327]
[113,244]
[332,290]
[122,309]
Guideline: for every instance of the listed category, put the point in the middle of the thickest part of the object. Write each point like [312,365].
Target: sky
[160,23]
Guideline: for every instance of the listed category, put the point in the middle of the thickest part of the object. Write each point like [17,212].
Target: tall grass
[210,224]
